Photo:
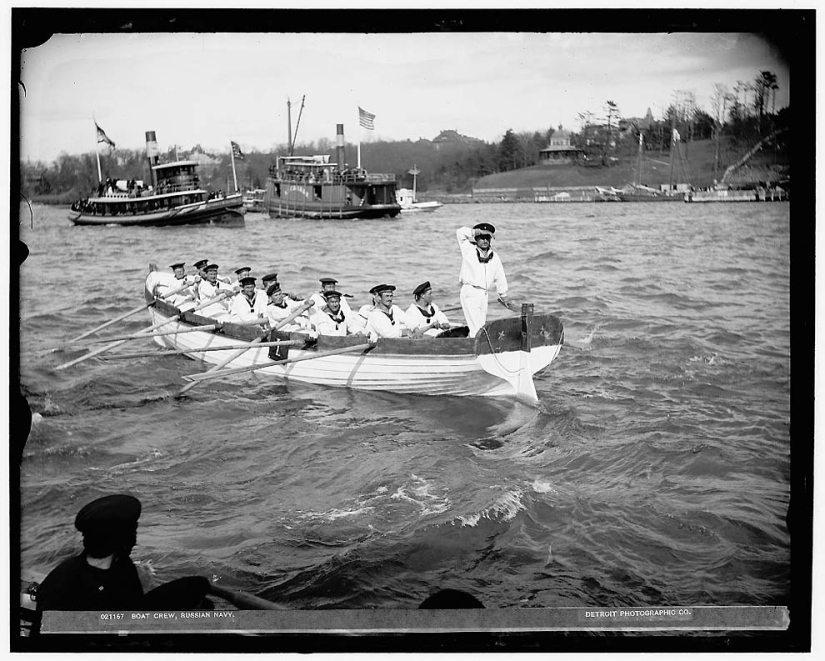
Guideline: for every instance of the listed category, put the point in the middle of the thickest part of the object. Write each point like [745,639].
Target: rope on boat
[495,354]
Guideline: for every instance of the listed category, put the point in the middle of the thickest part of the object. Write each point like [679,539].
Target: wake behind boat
[499,361]
[174,198]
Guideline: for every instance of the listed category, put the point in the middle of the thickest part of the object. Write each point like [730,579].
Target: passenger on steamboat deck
[250,304]
[424,314]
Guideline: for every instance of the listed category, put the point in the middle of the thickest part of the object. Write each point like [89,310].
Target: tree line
[743,115]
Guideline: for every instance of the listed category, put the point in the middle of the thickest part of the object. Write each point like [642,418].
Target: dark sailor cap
[273,288]
[424,286]
[108,511]
[242,269]
[200,263]
[211,267]
[179,265]
[382,288]
[248,280]
[484,227]
[328,281]
[269,276]
[331,294]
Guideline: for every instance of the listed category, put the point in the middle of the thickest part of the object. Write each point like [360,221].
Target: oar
[243,600]
[298,312]
[175,291]
[455,309]
[177,352]
[113,345]
[120,318]
[221,364]
[212,374]
[140,308]
[206,327]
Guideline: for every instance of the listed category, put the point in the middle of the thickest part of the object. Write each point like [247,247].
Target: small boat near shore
[499,361]
[409,204]
[408,199]
[639,193]
[174,198]
[253,200]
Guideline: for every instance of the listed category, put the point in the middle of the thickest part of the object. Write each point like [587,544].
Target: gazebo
[559,150]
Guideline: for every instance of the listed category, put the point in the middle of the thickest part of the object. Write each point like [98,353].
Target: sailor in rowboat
[329,284]
[240,274]
[331,318]
[185,299]
[279,309]
[250,304]
[211,287]
[161,283]
[386,319]
[103,577]
[424,314]
[201,265]
[481,272]
[271,278]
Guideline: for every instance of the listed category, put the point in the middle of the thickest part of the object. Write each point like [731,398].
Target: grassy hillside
[696,168]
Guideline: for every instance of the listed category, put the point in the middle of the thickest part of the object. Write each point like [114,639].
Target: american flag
[102,137]
[367,119]
[236,150]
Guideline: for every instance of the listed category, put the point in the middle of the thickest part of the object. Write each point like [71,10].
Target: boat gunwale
[495,337]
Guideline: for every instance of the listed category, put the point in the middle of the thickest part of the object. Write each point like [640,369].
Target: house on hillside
[559,150]
[451,137]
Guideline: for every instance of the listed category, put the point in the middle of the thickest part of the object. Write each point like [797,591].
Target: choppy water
[656,471]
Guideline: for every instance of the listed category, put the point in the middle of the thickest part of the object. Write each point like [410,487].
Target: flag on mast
[236,151]
[367,119]
[102,137]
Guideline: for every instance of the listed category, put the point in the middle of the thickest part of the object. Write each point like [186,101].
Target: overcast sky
[209,89]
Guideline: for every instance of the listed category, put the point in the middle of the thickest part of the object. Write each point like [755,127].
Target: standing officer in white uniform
[481,272]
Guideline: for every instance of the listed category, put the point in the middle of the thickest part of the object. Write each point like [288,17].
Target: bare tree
[719,100]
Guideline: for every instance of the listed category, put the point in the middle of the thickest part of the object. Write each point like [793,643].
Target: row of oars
[217,371]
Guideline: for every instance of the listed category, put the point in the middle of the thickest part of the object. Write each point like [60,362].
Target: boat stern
[515,348]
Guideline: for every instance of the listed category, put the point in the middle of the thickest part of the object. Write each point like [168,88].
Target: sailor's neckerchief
[337,318]
[484,260]
[388,314]
[427,314]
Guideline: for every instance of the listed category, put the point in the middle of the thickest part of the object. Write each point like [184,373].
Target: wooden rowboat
[499,361]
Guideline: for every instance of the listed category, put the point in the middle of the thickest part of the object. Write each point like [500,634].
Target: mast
[414,172]
[641,140]
[152,153]
[673,135]
[297,125]
[289,126]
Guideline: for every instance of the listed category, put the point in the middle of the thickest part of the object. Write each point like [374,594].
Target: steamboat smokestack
[339,146]
[152,153]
